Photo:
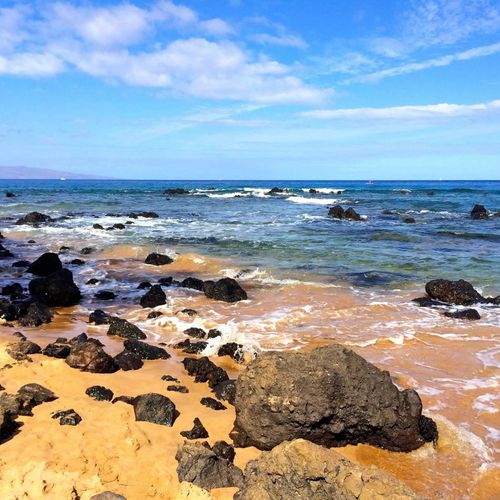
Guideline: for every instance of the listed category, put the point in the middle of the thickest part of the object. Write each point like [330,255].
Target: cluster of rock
[337,212]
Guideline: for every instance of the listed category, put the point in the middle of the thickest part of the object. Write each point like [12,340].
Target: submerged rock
[99,317]
[5,253]
[175,191]
[56,289]
[298,470]
[155,296]
[191,347]
[470,314]
[197,432]
[89,357]
[34,218]
[479,212]
[330,396]
[197,333]
[123,328]
[157,259]
[226,289]
[199,465]
[337,212]
[193,283]
[46,264]
[105,295]
[453,292]
[144,350]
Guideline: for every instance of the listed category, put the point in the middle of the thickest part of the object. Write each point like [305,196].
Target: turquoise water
[290,233]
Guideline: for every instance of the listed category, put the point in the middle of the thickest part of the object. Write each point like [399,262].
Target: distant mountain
[41,173]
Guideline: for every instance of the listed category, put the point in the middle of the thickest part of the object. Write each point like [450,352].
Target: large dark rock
[89,357]
[34,218]
[226,390]
[31,395]
[330,396]
[123,328]
[146,215]
[14,290]
[46,264]
[226,289]
[99,317]
[56,289]
[193,283]
[197,432]
[105,295]
[154,408]
[157,259]
[155,296]
[204,370]
[479,212]
[191,347]
[299,469]
[197,333]
[199,465]
[337,212]
[233,350]
[35,314]
[469,314]
[21,349]
[127,360]
[453,292]
[212,403]
[57,350]
[144,350]
[99,393]
[5,253]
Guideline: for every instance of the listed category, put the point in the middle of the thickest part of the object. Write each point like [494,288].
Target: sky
[252,89]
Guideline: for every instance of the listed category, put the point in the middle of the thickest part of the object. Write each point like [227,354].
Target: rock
[277,190]
[193,283]
[31,395]
[122,328]
[175,191]
[9,194]
[337,212]
[196,333]
[118,225]
[197,432]
[143,285]
[313,191]
[299,470]
[57,350]
[107,495]
[56,289]
[166,281]
[89,357]
[155,408]
[5,253]
[191,347]
[15,290]
[226,391]
[21,263]
[92,281]
[144,350]
[409,220]
[87,250]
[426,302]
[351,214]
[453,292]
[214,333]
[212,403]
[178,388]
[479,212]
[330,396]
[99,317]
[46,264]
[157,259]
[99,393]
[188,312]
[204,370]
[35,314]
[224,450]
[77,262]
[67,417]
[20,350]
[226,289]
[155,296]
[233,350]
[127,360]
[97,226]
[201,466]
[105,295]
[169,378]
[34,218]
[154,314]
[470,314]
[146,215]
[8,425]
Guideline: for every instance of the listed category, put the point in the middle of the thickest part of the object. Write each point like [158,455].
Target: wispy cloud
[284,40]
[445,110]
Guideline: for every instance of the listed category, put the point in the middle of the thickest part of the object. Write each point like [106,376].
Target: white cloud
[405,112]
[284,40]
[31,64]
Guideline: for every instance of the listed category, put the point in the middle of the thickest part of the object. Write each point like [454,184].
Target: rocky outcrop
[155,296]
[46,264]
[299,470]
[337,212]
[453,292]
[146,215]
[479,212]
[34,218]
[56,289]
[89,357]
[105,295]
[157,259]
[226,289]
[200,465]
[5,253]
[125,329]
[330,396]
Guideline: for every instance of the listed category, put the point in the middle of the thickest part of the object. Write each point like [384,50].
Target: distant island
[41,173]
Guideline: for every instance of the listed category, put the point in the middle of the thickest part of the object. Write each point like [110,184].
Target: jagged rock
[330,396]
[453,292]
[224,450]
[34,218]
[191,347]
[197,432]
[157,259]
[298,470]
[56,289]
[188,312]
[57,350]
[193,283]
[479,212]
[166,281]
[123,328]
[89,357]
[214,333]
[154,408]
[87,250]
[31,395]
[46,264]
[67,417]
[144,350]
[201,466]
[337,212]
[127,360]
[99,317]
[118,225]
[277,190]
[105,295]
[470,314]
[155,296]
[204,370]
[20,350]
[226,289]
[212,403]
[99,393]
[196,333]
[233,350]
[169,378]
[226,391]
[97,226]
[35,314]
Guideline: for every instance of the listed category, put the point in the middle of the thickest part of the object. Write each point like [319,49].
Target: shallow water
[311,280]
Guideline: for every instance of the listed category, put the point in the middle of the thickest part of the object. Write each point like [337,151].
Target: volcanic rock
[155,296]
[226,289]
[144,350]
[46,264]
[123,328]
[453,292]
[157,259]
[56,289]
[89,357]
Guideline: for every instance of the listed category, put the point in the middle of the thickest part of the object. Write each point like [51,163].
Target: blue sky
[246,89]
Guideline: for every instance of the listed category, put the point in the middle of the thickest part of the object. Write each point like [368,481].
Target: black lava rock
[204,370]
[144,350]
[212,403]
[56,289]
[226,289]
[127,360]
[67,417]
[99,393]
[155,408]
[197,432]
[157,259]
[123,328]
[155,296]
[469,314]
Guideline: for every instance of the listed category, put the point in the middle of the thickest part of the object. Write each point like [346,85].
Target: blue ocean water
[290,233]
